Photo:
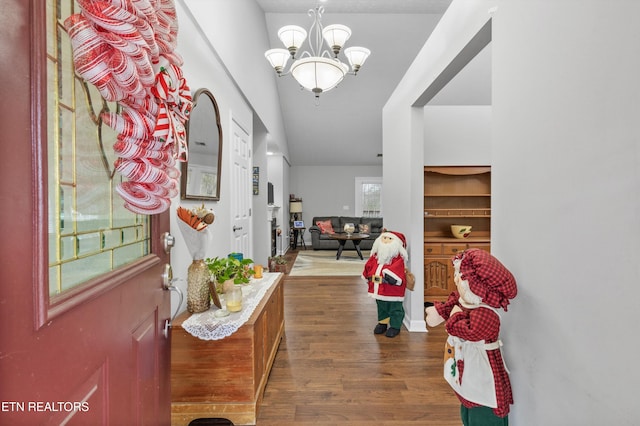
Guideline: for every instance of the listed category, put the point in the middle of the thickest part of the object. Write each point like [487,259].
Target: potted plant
[229,270]
[278,264]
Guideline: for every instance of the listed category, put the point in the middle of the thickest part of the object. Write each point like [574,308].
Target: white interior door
[241,189]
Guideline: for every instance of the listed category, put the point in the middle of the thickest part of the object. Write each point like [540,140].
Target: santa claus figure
[386,278]
[473,359]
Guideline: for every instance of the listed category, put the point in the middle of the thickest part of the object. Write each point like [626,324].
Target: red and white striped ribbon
[117,45]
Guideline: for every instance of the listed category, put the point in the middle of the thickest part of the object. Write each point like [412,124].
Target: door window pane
[90,232]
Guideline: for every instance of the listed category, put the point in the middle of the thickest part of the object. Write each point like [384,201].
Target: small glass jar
[257,269]
[233,299]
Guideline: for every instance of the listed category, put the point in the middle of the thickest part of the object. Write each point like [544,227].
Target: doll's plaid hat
[488,278]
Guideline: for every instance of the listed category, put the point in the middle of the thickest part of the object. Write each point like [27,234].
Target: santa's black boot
[380,328]
[392,332]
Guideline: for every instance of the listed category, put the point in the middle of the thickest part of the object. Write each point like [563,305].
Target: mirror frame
[185,165]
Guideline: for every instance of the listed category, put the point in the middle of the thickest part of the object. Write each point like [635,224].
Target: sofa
[321,241]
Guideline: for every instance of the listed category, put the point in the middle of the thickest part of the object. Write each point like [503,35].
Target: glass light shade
[295,207]
[278,58]
[357,56]
[292,36]
[318,74]
[336,35]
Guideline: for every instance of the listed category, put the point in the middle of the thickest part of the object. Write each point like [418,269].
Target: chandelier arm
[315,32]
[328,55]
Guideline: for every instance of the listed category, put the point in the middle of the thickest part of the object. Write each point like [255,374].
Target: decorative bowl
[460,231]
[349,228]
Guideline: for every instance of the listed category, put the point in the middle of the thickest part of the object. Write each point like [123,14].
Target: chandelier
[316,70]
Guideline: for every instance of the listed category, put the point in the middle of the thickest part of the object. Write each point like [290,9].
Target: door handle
[236,228]
[168,241]
[167,277]
[167,284]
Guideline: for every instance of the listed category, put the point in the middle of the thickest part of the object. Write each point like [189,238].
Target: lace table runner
[206,326]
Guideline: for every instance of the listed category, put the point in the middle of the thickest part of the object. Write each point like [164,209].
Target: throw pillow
[364,228]
[325,227]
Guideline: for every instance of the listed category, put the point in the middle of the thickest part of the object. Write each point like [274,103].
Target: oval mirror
[200,178]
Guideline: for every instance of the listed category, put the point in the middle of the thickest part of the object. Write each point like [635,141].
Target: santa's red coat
[385,291]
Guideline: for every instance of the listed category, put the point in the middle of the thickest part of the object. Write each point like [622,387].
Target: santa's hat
[398,236]
[487,278]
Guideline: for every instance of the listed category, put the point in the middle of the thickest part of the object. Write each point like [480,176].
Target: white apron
[478,384]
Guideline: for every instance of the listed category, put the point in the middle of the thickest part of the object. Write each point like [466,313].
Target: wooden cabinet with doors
[453,195]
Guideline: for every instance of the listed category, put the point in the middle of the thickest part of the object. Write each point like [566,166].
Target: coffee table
[343,238]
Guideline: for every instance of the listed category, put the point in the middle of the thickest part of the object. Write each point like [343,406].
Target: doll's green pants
[481,416]
[392,310]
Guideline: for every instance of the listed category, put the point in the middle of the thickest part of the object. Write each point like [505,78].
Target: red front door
[91,352]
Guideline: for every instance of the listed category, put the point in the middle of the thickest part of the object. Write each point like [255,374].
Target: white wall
[238,97]
[565,196]
[327,190]
[201,69]
[457,135]
[405,132]
[238,32]
[566,185]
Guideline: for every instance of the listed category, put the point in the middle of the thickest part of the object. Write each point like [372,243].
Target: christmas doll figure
[473,360]
[386,278]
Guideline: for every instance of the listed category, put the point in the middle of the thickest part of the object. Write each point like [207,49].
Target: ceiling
[357,6]
[344,127]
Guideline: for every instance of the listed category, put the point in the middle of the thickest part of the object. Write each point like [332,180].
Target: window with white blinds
[368,196]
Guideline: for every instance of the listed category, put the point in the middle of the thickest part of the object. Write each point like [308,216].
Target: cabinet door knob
[429,250]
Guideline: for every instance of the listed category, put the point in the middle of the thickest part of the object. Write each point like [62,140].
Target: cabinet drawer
[453,249]
[430,249]
[486,247]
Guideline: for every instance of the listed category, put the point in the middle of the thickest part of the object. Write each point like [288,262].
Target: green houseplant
[225,269]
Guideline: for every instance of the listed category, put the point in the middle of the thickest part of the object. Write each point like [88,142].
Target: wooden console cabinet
[455,195]
[226,378]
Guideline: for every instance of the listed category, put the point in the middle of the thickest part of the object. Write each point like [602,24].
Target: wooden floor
[332,370]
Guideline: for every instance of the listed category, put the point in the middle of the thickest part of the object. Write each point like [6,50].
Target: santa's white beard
[386,252]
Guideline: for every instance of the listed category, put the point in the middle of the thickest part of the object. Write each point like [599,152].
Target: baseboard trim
[415,325]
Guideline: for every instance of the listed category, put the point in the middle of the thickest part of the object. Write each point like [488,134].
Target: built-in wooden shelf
[436,213]
[453,195]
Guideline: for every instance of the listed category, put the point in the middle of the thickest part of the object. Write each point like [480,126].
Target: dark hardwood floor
[332,370]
